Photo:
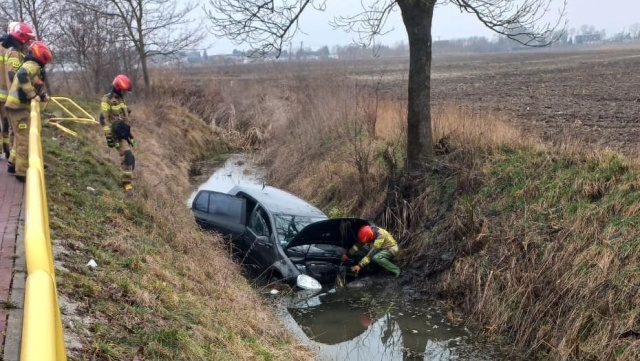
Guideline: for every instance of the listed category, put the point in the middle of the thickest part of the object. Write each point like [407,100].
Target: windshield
[288,226]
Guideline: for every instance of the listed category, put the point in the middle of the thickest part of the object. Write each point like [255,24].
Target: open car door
[220,212]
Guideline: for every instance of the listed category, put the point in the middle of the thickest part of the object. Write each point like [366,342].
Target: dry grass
[537,243]
[163,289]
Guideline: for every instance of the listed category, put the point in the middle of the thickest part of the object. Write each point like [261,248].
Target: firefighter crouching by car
[14,47]
[382,252]
[27,84]
[114,118]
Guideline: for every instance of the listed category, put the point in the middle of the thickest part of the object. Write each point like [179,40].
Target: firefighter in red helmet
[114,118]
[27,85]
[15,44]
[382,252]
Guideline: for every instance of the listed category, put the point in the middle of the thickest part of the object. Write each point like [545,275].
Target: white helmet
[12,24]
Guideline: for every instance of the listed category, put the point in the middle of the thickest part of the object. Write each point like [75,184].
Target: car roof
[278,201]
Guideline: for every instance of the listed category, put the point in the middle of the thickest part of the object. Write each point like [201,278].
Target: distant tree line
[93,40]
[585,34]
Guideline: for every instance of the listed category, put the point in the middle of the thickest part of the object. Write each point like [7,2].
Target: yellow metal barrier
[80,115]
[42,337]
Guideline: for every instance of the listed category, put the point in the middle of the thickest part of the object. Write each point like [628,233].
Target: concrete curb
[13,335]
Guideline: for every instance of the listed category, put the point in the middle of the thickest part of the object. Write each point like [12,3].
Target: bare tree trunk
[145,75]
[417,16]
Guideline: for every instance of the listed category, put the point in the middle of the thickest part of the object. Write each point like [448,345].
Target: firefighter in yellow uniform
[27,85]
[114,118]
[14,45]
[4,90]
[382,252]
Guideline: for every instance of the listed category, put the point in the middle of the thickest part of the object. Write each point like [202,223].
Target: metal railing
[64,104]
[42,338]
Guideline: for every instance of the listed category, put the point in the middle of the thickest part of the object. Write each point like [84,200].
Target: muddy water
[380,322]
[370,320]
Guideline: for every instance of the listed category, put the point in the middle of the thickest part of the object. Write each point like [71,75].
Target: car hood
[341,232]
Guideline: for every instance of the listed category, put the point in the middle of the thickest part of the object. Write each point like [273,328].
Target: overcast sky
[448,23]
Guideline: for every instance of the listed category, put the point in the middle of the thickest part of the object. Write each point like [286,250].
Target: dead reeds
[536,242]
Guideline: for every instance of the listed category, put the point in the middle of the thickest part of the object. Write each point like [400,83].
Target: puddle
[377,324]
[380,322]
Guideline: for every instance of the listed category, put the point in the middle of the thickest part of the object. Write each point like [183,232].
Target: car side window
[259,223]
[202,202]
[226,207]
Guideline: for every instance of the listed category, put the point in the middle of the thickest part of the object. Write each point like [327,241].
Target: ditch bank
[372,318]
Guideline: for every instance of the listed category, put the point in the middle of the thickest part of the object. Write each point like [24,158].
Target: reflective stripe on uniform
[113,108]
[15,62]
[33,74]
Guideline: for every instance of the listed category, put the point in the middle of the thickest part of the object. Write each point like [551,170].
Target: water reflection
[374,324]
[238,169]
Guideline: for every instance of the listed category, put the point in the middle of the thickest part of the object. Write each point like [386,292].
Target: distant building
[193,57]
[587,39]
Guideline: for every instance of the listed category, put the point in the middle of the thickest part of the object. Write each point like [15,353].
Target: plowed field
[590,95]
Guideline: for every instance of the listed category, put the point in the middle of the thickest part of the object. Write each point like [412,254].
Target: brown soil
[586,94]
[591,95]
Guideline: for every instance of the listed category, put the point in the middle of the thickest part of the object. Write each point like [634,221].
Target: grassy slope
[556,262]
[546,246]
[544,240]
[162,290]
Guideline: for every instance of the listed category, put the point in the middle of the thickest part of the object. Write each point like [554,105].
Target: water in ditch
[380,322]
[369,320]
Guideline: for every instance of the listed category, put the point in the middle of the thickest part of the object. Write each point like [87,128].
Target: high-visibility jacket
[113,108]
[4,84]
[13,59]
[25,85]
[383,240]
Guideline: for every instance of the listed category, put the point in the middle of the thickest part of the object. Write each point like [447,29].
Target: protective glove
[133,143]
[356,268]
[344,258]
[112,142]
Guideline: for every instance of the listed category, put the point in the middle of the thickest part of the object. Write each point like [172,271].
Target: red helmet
[122,83]
[365,234]
[40,51]
[22,32]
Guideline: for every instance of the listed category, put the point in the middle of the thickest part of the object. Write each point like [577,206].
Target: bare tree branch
[265,25]
[153,27]
[368,24]
[519,20]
